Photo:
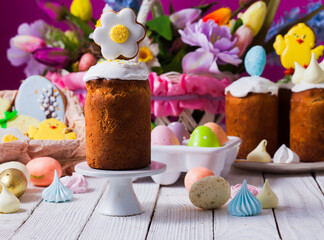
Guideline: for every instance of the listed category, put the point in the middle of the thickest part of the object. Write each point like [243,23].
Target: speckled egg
[162,135]
[255,60]
[42,170]
[210,192]
[16,165]
[195,174]
[180,130]
[203,137]
[218,130]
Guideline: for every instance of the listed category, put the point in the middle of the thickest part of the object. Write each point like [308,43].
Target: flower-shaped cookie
[119,34]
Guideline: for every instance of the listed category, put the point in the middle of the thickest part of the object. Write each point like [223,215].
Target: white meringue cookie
[9,203]
[285,155]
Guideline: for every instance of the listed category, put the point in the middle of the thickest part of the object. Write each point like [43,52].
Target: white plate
[182,158]
[303,167]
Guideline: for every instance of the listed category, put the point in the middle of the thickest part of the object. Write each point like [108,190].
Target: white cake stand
[120,199]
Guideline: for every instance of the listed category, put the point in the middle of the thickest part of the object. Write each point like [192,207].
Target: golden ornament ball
[15,180]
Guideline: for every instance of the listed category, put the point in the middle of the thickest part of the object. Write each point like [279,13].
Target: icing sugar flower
[119,34]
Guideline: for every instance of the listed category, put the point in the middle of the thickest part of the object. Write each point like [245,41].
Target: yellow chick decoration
[297,46]
[50,129]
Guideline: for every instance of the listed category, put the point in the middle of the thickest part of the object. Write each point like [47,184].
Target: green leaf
[85,27]
[206,7]
[238,23]
[162,26]
[171,9]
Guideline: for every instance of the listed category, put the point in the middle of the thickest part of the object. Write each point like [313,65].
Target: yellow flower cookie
[50,129]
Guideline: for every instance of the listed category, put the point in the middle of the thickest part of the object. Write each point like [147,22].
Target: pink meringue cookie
[77,183]
[235,189]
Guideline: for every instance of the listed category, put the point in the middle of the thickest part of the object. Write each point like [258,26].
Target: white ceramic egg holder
[120,198]
[183,158]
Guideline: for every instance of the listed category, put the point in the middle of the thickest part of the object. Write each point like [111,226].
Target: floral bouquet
[192,55]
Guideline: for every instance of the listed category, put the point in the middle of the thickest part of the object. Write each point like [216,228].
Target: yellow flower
[82,9]
[254,16]
[145,55]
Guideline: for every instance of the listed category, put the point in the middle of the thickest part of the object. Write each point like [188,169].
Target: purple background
[13,13]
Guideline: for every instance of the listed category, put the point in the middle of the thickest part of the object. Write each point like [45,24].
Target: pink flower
[244,37]
[182,17]
[54,57]
[28,43]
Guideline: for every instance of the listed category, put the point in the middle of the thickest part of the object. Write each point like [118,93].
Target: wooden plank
[176,218]
[262,226]
[319,177]
[9,223]
[300,214]
[63,220]
[133,227]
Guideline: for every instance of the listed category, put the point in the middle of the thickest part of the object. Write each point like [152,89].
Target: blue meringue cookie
[57,192]
[244,203]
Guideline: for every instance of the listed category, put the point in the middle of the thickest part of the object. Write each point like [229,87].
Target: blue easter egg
[255,61]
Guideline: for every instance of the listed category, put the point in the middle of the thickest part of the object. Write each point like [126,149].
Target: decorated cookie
[51,129]
[22,122]
[259,154]
[210,192]
[119,34]
[39,98]
[297,46]
[11,134]
[4,106]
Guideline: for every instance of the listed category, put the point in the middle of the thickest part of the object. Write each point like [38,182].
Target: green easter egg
[203,137]
[152,126]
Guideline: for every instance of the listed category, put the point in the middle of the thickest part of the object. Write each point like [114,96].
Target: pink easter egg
[162,135]
[180,131]
[195,174]
[86,61]
[42,170]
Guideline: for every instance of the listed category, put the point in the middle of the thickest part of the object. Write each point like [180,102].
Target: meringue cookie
[267,197]
[57,192]
[285,155]
[235,189]
[259,154]
[9,203]
[77,183]
[244,204]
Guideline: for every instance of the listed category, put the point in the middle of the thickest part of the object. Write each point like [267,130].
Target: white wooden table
[170,215]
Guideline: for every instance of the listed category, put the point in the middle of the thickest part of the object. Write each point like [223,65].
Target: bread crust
[118,124]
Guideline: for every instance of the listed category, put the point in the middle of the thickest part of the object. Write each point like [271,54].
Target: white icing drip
[253,84]
[288,85]
[122,70]
[305,86]
[285,155]
[312,77]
